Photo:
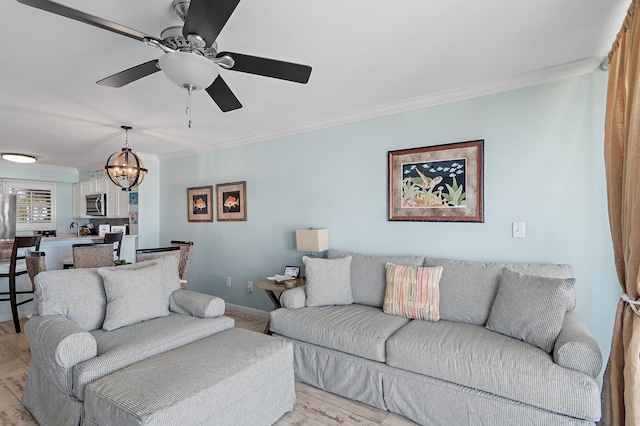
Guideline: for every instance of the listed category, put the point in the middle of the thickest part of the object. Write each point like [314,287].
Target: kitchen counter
[79,240]
[59,248]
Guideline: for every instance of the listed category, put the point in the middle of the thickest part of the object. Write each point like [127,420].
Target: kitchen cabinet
[117,199]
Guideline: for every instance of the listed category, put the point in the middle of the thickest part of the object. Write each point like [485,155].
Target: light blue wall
[543,166]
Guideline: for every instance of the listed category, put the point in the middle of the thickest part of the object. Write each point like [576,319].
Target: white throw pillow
[328,281]
[133,295]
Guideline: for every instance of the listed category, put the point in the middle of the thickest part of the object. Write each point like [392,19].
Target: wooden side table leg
[276,305]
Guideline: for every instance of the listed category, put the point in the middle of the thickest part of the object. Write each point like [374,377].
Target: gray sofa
[89,323]
[456,370]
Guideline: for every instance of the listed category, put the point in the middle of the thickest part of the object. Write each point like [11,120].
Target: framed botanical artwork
[232,201]
[200,204]
[440,183]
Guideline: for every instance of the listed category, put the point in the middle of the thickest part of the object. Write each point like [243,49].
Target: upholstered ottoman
[235,377]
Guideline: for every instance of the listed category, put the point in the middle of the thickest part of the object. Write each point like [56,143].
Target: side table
[271,287]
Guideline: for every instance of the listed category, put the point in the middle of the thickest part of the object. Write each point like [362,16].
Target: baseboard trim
[248,311]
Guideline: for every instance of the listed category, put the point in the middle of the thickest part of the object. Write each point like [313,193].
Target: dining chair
[35,261]
[94,255]
[186,252]
[15,267]
[109,237]
[114,238]
[155,253]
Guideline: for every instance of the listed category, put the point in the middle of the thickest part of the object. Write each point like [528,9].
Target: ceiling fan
[191,58]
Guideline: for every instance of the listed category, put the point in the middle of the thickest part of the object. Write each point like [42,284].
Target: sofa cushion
[473,356]
[412,292]
[368,275]
[328,281]
[467,288]
[58,293]
[128,345]
[355,329]
[530,308]
[133,296]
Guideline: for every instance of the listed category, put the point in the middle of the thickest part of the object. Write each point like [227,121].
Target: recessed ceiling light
[19,158]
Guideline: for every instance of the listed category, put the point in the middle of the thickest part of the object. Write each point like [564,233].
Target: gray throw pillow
[530,308]
[328,281]
[133,296]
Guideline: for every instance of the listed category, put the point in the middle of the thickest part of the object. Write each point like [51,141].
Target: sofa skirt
[423,399]
[46,403]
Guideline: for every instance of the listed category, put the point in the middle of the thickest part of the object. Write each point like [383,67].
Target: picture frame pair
[231,202]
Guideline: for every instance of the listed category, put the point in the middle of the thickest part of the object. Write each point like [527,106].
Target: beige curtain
[621,391]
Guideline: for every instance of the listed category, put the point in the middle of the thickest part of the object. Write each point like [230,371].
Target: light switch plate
[518,230]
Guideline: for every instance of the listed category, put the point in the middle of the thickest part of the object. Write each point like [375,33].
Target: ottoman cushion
[214,380]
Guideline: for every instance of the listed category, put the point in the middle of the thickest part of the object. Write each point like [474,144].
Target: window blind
[35,204]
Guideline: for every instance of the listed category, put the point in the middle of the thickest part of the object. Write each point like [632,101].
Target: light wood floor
[313,406]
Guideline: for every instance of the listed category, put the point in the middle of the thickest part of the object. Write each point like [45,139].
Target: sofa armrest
[295,298]
[575,348]
[57,345]
[58,341]
[195,304]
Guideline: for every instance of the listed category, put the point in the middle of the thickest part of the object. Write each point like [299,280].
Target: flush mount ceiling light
[125,168]
[18,158]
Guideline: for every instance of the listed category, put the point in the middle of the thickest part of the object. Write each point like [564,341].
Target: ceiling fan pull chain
[189,90]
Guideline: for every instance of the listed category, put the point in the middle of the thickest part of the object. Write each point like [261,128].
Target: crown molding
[537,77]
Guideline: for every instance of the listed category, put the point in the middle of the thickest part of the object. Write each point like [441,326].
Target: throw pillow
[530,308]
[328,281]
[413,292]
[133,296]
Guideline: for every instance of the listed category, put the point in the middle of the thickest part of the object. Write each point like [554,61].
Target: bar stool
[186,252]
[15,267]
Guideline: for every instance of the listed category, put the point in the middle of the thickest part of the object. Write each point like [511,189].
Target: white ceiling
[369,58]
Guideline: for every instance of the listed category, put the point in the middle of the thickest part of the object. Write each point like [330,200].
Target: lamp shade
[312,240]
[188,69]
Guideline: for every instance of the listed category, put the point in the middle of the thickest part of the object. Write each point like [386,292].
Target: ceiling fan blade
[77,15]
[269,67]
[130,75]
[223,96]
[207,18]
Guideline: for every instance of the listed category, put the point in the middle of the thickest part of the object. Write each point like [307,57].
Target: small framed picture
[200,204]
[292,271]
[232,201]
[103,229]
[133,198]
[119,228]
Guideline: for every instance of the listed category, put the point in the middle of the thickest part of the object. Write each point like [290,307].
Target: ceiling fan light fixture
[188,69]
[18,158]
[125,168]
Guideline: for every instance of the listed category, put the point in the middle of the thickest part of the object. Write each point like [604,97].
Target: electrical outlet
[250,287]
[228,281]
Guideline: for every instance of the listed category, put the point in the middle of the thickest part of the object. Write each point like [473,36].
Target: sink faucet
[77,228]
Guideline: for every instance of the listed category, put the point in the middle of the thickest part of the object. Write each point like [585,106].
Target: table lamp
[312,240]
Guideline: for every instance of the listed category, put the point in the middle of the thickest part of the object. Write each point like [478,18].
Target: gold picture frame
[231,201]
[200,204]
[440,183]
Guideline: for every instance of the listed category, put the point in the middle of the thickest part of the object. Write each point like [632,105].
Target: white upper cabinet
[117,199]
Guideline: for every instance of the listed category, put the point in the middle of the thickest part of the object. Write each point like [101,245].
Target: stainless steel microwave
[96,205]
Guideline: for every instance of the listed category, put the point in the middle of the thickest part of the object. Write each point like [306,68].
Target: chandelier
[125,168]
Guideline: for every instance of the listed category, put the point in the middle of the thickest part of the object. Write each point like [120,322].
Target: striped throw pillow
[413,292]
